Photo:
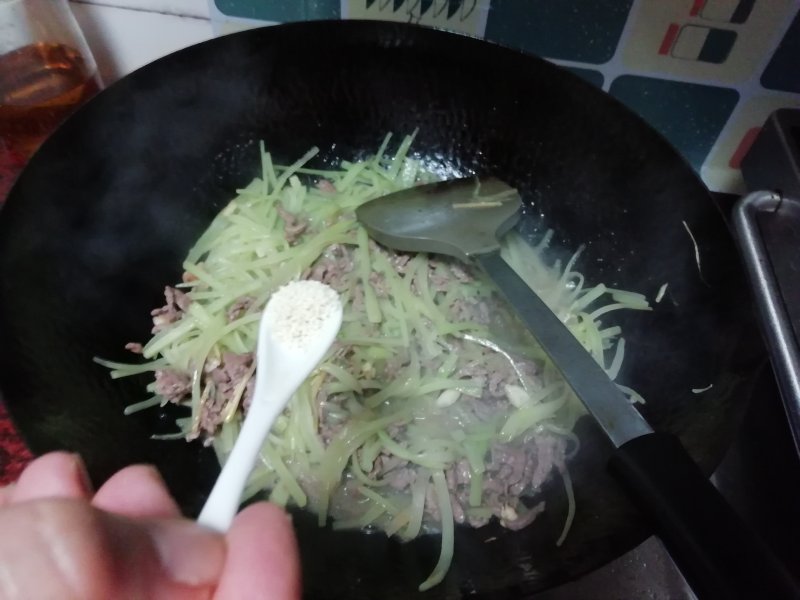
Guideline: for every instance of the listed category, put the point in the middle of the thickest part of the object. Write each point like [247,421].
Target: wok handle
[718,554]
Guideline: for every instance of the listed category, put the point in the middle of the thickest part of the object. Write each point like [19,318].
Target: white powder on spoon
[298,310]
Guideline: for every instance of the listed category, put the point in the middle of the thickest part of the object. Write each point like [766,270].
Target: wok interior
[102,218]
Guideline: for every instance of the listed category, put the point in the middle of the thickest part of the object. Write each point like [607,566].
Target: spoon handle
[223,502]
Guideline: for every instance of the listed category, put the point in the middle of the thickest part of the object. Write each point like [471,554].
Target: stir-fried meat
[333,268]
[520,521]
[172,385]
[439,280]
[228,381]
[471,310]
[176,304]
[399,261]
[239,308]
[378,283]
[293,226]
[134,347]
[330,416]
[460,274]
[511,470]
[326,186]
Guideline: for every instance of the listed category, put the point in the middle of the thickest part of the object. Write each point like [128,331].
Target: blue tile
[580,30]
[280,10]
[742,11]
[690,116]
[783,71]
[718,45]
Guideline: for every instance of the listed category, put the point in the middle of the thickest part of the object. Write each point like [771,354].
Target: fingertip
[266,514]
[53,475]
[136,491]
[188,553]
[262,556]
[269,525]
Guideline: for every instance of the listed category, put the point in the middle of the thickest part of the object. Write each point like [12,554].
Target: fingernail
[83,473]
[189,554]
[152,472]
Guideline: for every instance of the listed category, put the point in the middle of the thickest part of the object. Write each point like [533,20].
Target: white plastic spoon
[298,326]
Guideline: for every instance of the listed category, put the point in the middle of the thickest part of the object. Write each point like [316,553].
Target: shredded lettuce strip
[245,252]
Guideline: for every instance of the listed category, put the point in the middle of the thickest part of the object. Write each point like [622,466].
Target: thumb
[62,549]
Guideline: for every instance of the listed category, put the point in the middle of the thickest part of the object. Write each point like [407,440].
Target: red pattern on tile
[697,7]
[669,38]
[743,147]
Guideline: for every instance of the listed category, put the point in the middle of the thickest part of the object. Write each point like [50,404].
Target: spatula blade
[461,217]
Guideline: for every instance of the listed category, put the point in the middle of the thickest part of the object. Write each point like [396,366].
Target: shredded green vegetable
[412,372]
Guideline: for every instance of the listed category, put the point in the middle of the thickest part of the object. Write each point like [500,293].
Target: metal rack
[768,228]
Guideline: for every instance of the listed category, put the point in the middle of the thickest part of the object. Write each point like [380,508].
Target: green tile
[783,71]
[280,10]
[689,115]
[580,30]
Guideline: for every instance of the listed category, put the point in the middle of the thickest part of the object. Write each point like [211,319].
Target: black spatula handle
[718,554]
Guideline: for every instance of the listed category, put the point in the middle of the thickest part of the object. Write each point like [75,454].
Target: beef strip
[378,283]
[176,304]
[460,273]
[524,518]
[399,261]
[333,268]
[224,379]
[401,479]
[439,280]
[239,308]
[326,186]
[470,310]
[293,226]
[134,347]
[172,385]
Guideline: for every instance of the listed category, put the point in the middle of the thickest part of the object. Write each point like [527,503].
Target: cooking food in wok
[430,410]
[114,208]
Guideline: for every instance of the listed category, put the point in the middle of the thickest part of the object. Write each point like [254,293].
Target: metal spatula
[715,550]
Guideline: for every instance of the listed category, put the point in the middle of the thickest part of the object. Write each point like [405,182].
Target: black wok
[101,219]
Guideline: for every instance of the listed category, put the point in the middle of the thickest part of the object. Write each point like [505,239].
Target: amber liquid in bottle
[40,85]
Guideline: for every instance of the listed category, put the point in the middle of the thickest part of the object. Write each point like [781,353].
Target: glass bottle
[46,72]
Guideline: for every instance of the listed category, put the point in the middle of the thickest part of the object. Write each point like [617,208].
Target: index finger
[53,475]
[136,491]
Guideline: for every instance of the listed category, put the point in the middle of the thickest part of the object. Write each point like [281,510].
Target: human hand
[60,540]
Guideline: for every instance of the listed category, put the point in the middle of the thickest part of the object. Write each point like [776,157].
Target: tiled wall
[706,73]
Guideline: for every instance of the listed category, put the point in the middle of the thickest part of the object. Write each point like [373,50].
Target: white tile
[719,10]
[123,40]
[185,8]
[690,42]
[226,26]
